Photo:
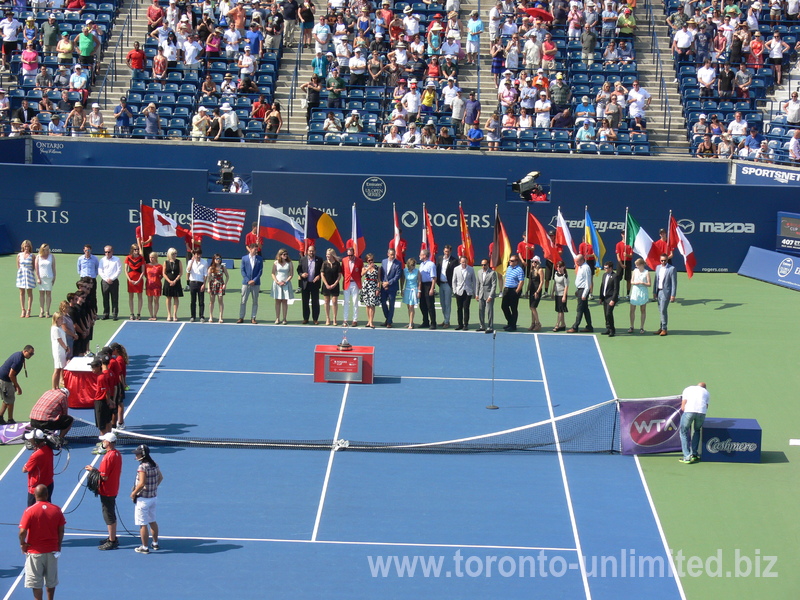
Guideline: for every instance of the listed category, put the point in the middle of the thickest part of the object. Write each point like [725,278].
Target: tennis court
[299,523]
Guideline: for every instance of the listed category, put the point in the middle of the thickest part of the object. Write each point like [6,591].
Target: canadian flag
[156,223]
[683,245]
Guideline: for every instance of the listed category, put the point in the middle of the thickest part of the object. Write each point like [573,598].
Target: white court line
[581,560]
[376,376]
[330,464]
[348,543]
[646,488]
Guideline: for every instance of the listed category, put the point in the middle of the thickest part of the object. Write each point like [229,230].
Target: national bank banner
[650,425]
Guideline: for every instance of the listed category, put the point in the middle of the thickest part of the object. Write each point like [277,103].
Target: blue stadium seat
[562,147]
[315,138]
[544,146]
[624,149]
[606,148]
[508,145]
[527,146]
[333,139]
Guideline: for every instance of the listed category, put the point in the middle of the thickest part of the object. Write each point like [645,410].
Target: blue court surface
[308,524]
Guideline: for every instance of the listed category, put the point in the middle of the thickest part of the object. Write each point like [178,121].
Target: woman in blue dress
[26,279]
[411,289]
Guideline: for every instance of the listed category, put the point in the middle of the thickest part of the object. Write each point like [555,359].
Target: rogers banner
[650,425]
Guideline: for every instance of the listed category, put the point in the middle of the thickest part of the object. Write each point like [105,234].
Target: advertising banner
[764,174]
[788,233]
[772,267]
[650,425]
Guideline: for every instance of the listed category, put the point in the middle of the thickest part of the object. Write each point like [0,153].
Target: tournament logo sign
[650,425]
[785,267]
[373,188]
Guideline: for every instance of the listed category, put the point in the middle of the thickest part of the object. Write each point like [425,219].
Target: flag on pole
[466,240]
[428,241]
[157,223]
[501,248]
[223,224]
[320,224]
[397,242]
[683,245]
[591,236]
[274,225]
[357,237]
[537,234]
[563,236]
[641,243]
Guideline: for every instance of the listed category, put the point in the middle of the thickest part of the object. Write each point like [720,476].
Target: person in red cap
[110,470]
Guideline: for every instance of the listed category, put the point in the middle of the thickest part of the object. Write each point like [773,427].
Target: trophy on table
[344,345]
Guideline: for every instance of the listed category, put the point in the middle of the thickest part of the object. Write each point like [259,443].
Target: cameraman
[51,412]
[39,466]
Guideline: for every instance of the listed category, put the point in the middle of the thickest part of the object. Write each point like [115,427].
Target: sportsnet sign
[750,174]
[650,425]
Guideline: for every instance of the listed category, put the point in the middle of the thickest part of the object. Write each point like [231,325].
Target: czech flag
[274,225]
[466,240]
[321,225]
[357,238]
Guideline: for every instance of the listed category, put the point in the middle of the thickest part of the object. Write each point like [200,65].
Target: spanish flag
[501,248]
[321,225]
[466,240]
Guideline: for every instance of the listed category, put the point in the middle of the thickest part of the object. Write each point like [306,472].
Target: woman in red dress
[134,273]
[155,274]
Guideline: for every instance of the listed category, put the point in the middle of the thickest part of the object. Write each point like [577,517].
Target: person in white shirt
[449,93]
[232,39]
[738,128]
[358,68]
[411,138]
[542,110]
[638,101]
[583,284]
[794,147]
[191,53]
[197,271]
[247,64]
[411,101]
[10,28]
[392,139]
[694,406]
[707,78]
[109,272]
[495,20]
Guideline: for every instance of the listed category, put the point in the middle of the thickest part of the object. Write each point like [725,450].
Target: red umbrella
[539,13]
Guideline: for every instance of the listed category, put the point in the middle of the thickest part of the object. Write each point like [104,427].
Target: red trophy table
[353,366]
[80,382]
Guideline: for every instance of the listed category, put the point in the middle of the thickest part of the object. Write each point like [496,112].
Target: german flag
[501,248]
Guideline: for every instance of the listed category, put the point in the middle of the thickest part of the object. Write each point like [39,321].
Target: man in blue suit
[391,270]
[665,287]
[252,269]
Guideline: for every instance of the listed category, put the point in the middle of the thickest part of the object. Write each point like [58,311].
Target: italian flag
[642,244]
[683,245]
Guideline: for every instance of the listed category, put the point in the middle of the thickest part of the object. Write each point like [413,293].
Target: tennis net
[594,429]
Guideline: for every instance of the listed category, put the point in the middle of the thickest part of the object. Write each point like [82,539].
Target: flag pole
[258,223]
[353,232]
[669,229]
[305,230]
[526,245]
[625,227]
[191,229]
[425,229]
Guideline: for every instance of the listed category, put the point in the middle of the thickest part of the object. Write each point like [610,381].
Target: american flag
[218,223]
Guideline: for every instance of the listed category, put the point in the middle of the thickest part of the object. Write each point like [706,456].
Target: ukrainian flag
[595,240]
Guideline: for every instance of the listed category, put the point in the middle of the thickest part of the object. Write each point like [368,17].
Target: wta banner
[650,425]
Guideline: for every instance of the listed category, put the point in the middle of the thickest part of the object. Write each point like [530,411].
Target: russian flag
[274,225]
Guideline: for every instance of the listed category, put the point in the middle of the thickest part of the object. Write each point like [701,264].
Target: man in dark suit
[391,270]
[252,268]
[665,287]
[445,267]
[609,295]
[25,112]
[309,270]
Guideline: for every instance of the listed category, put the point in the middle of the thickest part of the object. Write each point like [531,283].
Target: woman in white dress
[282,273]
[640,290]
[58,338]
[26,278]
[45,270]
